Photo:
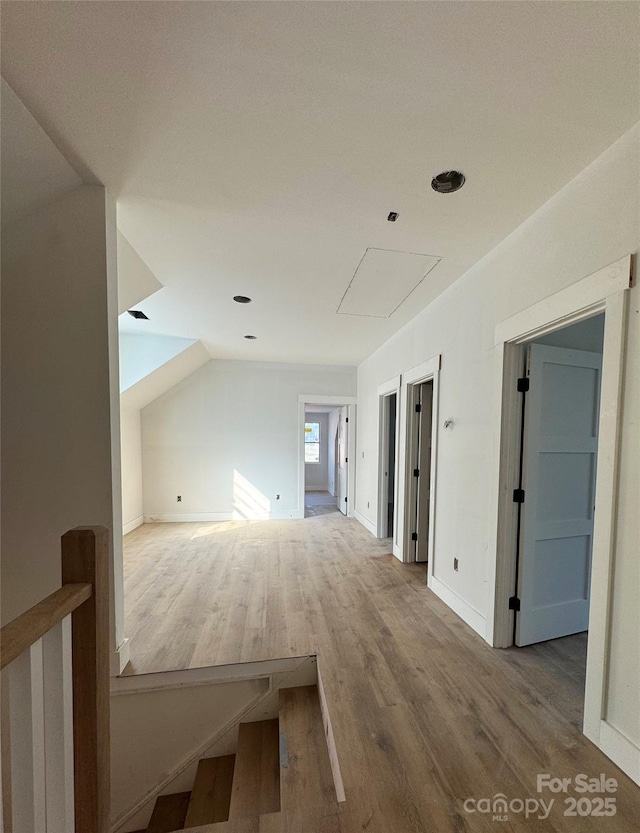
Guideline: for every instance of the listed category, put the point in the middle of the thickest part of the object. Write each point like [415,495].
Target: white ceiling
[257,147]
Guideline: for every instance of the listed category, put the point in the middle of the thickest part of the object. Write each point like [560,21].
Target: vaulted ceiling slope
[257,148]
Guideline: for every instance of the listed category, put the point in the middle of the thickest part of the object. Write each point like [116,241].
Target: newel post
[85,558]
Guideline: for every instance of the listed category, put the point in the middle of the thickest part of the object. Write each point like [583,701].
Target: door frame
[424,372]
[603,291]
[385,390]
[326,399]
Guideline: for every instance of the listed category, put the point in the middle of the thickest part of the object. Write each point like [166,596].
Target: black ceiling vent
[447,182]
[137,313]
[393,216]
[241,299]
[251,338]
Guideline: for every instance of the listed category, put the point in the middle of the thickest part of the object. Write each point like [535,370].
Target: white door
[559,468]
[343,435]
[418,473]
[423,484]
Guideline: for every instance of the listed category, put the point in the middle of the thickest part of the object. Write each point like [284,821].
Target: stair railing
[55,711]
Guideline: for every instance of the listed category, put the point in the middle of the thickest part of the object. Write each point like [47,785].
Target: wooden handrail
[85,596]
[33,624]
[85,558]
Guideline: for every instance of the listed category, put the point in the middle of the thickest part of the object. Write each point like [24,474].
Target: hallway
[425,713]
[319,503]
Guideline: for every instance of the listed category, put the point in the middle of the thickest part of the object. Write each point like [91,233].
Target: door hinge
[346,419]
[345,500]
[523,384]
[514,603]
[418,408]
[346,459]
[414,536]
[518,495]
[416,472]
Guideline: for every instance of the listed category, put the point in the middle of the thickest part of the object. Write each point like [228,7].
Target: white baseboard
[620,749]
[213,517]
[464,610]
[366,523]
[120,658]
[131,525]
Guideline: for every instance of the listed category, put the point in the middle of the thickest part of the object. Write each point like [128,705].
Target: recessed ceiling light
[447,182]
[251,338]
[241,299]
[137,313]
[393,216]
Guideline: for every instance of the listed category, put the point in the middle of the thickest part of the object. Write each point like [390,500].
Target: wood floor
[425,713]
[319,503]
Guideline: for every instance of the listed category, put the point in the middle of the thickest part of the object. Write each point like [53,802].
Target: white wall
[58,426]
[316,476]
[140,355]
[135,280]
[585,335]
[227,439]
[131,446]
[592,222]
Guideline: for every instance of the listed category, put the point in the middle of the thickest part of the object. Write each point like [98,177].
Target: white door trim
[387,388]
[338,401]
[578,301]
[604,291]
[424,372]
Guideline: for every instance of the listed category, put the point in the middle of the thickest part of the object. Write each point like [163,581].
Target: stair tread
[169,813]
[211,793]
[306,779]
[256,779]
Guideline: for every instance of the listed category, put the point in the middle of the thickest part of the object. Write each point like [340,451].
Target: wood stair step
[256,779]
[211,793]
[306,779]
[169,813]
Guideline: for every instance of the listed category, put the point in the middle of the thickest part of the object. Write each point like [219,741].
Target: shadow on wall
[249,504]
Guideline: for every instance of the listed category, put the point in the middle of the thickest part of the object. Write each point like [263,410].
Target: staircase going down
[279,765]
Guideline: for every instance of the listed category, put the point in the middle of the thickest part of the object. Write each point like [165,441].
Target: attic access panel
[383,280]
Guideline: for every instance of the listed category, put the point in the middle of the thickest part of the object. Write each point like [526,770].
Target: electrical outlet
[179,498]
[455,564]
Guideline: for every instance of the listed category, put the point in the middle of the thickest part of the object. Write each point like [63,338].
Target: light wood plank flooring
[425,713]
[319,503]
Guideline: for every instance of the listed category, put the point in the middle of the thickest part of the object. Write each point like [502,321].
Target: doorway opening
[326,478]
[321,459]
[387,469]
[416,462]
[555,497]
[604,291]
[418,470]
[560,390]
